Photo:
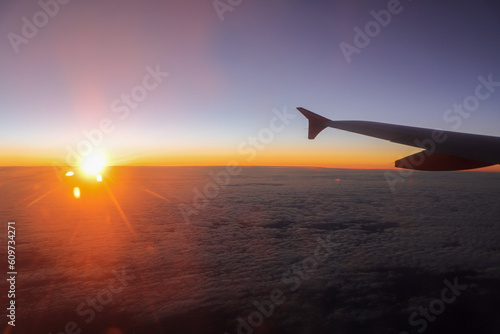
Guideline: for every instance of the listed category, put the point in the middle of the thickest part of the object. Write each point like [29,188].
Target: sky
[203,82]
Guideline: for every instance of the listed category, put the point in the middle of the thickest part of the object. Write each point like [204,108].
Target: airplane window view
[250,167]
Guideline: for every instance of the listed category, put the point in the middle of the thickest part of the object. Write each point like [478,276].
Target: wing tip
[317,123]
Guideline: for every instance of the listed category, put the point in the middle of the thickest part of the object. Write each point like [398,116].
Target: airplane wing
[443,150]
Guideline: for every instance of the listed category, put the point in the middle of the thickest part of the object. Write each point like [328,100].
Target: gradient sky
[227,76]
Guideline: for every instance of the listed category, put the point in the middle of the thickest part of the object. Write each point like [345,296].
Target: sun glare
[93,165]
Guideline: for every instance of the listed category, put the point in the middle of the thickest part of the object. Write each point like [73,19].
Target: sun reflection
[76,192]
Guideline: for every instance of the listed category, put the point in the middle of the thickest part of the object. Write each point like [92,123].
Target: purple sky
[226,77]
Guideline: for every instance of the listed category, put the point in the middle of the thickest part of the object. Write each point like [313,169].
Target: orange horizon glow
[372,157]
[300,161]
[323,153]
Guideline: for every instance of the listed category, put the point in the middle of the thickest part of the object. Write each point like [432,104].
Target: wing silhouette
[443,150]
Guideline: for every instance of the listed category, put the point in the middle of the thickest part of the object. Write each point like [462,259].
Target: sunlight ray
[41,197]
[157,195]
[119,208]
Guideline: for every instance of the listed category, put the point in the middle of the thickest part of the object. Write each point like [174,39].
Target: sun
[93,164]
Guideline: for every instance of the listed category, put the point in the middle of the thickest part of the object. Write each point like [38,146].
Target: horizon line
[484,170]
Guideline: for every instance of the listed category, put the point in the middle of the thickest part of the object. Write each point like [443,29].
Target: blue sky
[226,77]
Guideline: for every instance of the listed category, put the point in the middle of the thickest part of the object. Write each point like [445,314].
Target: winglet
[317,123]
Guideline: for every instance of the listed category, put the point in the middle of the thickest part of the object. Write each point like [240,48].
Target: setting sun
[93,165]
